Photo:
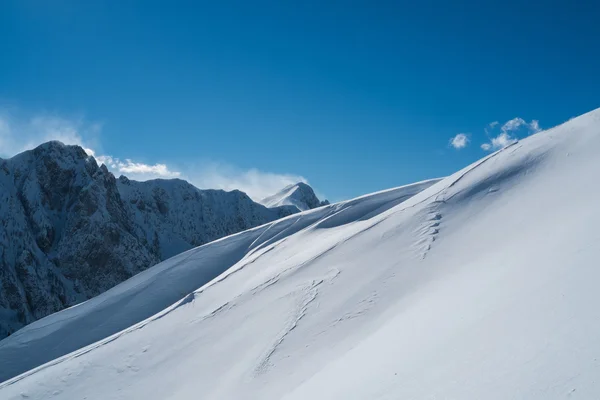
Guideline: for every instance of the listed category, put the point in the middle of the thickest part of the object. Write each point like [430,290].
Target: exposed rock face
[176,216]
[69,230]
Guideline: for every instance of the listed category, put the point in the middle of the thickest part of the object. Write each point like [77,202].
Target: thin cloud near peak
[137,170]
[20,132]
[255,183]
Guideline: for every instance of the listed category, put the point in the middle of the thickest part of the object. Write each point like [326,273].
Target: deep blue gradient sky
[355,96]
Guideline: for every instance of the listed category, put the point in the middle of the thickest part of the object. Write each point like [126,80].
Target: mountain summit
[299,195]
[69,230]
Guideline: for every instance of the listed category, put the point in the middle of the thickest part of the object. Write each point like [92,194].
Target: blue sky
[353,96]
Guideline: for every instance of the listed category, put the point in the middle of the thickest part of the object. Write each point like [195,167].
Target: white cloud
[490,127]
[460,141]
[255,183]
[19,133]
[499,142]
[513,124]
[516,123]
[509,132]
[137,170]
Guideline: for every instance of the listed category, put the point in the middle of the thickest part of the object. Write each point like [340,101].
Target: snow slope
[157,288]
[299,195]
[483,285]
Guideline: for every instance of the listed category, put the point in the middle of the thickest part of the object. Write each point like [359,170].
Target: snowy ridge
[298,195]
[482,285]
[182,216]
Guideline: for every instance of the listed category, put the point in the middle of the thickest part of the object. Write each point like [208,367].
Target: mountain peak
[300,195]
[64,154]
[70,230]
[58,147]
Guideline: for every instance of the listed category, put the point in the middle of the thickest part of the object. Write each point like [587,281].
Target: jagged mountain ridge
[179,216]
[69,230]
[299,195]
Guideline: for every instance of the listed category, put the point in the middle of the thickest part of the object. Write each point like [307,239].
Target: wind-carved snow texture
[69,230]
[427,232]
[482,285]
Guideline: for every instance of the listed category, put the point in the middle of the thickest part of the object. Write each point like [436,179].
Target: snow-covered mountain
[69,230]
[480,286]
[179,216]
[299,195]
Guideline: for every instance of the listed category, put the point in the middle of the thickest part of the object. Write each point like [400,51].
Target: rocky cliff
[69,230]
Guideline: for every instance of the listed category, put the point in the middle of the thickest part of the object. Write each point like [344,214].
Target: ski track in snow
[361,309]
[308,294]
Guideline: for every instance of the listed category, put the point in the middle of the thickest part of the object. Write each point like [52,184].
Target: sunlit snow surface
[481,286]
[298,195]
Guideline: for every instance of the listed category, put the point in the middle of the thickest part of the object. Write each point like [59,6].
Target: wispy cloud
[257,184]
[19,133]
[131,167]
[498,142]
[135,170]
[509,132]
[513,124]
[460,141]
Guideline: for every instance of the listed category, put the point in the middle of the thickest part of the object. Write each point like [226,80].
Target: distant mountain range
[69,230]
